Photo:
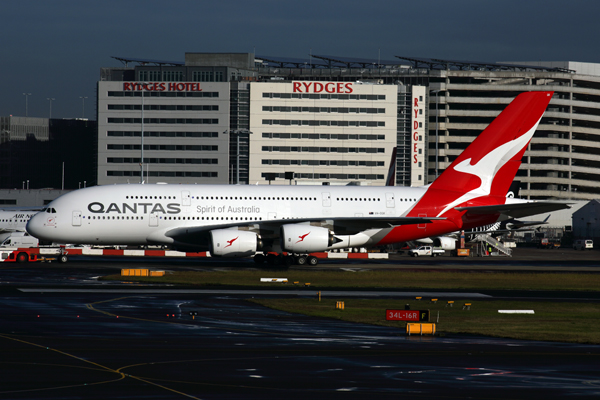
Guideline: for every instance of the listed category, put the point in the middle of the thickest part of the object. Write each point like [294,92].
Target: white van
[20,239]
[582,244]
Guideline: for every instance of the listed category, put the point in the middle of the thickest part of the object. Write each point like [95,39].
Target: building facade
[251,116]
[183,125]
[563,158]
[265,126]
[328,132]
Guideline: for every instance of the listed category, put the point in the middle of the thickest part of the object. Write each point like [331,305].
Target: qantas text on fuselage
[169,208]
[134,208]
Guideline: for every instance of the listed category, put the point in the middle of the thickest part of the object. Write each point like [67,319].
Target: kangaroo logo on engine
[231,241]
[301,237]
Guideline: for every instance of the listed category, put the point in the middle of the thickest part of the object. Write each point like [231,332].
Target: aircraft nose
[35,224]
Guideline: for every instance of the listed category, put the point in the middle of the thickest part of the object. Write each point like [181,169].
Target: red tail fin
[488,166]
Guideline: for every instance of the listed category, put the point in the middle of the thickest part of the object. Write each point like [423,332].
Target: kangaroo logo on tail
[488,166]
[486,169]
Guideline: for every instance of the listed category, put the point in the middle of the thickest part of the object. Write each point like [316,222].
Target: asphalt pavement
[66,335]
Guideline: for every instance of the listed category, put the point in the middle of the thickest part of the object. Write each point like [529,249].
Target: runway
[64,335]
[100,346]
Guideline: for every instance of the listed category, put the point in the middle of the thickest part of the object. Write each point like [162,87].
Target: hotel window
[150,76]
[172,76]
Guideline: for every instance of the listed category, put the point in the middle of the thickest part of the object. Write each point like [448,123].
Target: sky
[55,49]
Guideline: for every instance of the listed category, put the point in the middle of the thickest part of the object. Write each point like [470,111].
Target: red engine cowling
[446,243]
[301,238]
[233,243]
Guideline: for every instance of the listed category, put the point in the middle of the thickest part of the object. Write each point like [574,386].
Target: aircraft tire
[272,259]
[63,258]
[312,260]
[288,261]
[259,259]
[301,260]
[22,258]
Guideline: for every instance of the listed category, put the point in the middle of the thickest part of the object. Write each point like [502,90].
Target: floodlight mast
[143,86]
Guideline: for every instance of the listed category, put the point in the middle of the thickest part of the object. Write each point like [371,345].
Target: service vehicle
[583,244]
[20,239]
[426,251]
[546,243]
[33,254]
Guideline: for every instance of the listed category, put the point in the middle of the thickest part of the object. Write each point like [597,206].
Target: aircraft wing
[200,234]
[499,231]
[517,225]
[7,230]
[516,210]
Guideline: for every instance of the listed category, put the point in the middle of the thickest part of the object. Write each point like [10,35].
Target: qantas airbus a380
[241,221]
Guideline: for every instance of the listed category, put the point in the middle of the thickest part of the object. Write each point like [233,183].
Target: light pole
[437,113]
[82,106]
[26,97]
[143,85]
[50,99]
[237,132]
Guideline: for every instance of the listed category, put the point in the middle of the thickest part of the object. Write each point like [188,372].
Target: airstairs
[487,241]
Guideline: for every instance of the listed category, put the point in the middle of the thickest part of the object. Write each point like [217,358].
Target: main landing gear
[286,260]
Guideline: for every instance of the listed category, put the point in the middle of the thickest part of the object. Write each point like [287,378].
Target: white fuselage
[141,214]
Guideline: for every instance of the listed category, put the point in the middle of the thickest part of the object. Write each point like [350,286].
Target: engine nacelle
[300,238]
[446,243]
[233,243]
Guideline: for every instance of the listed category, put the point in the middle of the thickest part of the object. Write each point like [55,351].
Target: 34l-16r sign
[407,315]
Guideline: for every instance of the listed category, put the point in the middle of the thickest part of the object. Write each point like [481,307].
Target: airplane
[15,220]
[262,221]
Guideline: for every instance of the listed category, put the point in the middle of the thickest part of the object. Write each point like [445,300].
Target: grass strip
[381,279]
[552,321]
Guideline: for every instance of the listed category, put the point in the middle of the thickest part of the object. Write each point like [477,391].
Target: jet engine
[445,242]
[300,238]
[233,243]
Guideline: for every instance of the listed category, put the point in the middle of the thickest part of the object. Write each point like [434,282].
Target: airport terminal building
[229,118]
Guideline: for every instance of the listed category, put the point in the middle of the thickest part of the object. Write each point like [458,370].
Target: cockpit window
[51,210]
